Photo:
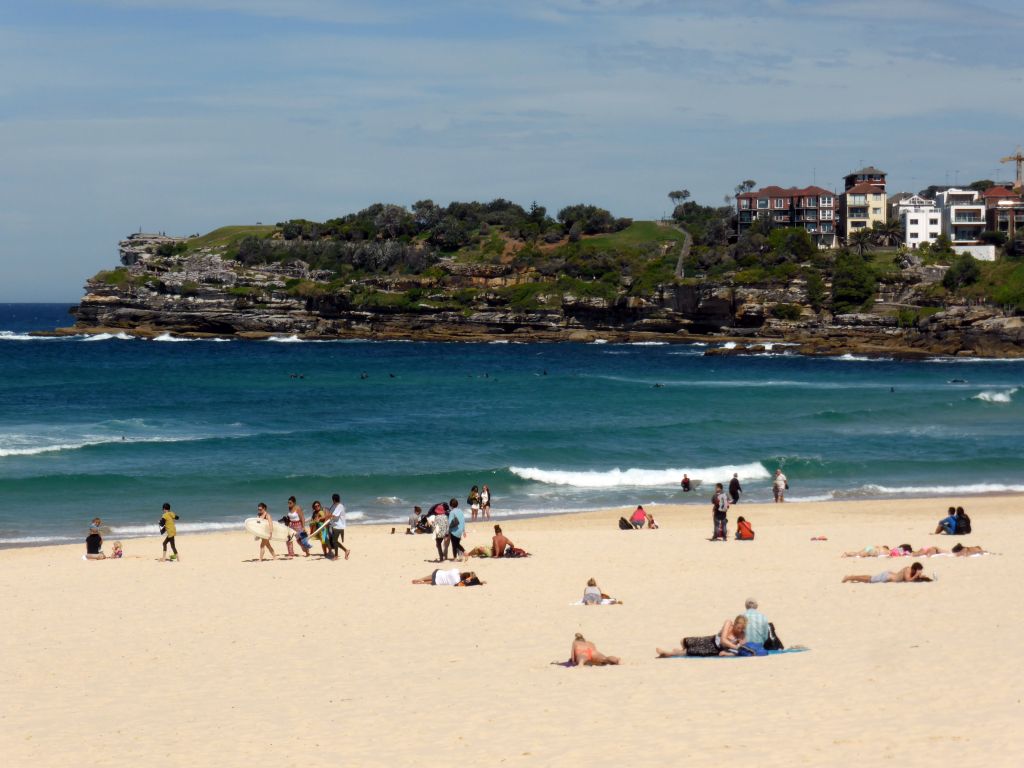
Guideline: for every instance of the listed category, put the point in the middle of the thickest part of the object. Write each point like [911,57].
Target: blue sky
[185,115]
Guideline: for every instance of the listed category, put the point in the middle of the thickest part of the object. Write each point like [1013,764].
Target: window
[913,235]
[762,202]
[826,201]
[779,202]
[858,224]
[913,221]
[933,222]
[876,196]
[744,203]
[810,202]
[876,211]
[826,215]
[810,215]
[858,199]
[826,227]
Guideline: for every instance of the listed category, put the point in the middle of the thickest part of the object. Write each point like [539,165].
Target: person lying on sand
[725,643]
[450,578]
[585,654]
[881,550]
[913,572]
[959,550]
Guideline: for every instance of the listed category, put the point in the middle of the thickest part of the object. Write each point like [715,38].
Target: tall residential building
[863,201]
[963,220]
[1004,211]
[919,218]
[810,208]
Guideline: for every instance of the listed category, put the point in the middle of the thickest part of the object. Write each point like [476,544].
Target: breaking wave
[637,478]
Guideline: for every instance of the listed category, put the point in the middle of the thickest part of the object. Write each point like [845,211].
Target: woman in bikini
[451,578]
[585,654]
[725,643]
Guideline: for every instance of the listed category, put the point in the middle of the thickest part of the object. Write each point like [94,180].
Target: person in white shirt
[779,486]
[337,512]
[450,578]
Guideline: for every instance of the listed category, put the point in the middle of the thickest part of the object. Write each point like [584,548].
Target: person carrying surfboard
[337,512]
[263,514]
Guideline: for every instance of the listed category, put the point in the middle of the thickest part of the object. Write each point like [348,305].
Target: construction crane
[1019,159]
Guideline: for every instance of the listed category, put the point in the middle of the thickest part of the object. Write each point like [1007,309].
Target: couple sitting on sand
[501,546]
[750,631]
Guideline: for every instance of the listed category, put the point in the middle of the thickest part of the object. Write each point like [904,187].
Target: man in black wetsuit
[734,488]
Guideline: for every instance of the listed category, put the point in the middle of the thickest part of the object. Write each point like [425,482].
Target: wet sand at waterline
[220,660]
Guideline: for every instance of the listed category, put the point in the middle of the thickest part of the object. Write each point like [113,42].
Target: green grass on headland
[228,236]
[637,233]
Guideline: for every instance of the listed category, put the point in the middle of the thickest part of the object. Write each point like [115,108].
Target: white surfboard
[262,529]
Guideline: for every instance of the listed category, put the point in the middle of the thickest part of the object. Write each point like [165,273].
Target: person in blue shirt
[456,529]
[947,525]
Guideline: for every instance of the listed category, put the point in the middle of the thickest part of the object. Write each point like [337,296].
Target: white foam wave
[13,336]
[729,345]
[648,343]
[293,339]
[854,358]
[388,500]
[108,336]
[967,489]
[600,341]
[169,337]
[154,530]
[637,478]
[996,396]
[35,450]
[23,540]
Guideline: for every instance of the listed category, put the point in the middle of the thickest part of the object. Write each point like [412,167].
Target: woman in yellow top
[169,530]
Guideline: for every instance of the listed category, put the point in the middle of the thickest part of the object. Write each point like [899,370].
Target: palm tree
[888,232]
[861,239]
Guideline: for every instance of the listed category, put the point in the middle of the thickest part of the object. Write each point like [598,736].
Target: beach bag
[624,524]
[772,642]
[751,649]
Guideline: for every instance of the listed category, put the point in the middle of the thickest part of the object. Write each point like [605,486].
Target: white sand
[219,660]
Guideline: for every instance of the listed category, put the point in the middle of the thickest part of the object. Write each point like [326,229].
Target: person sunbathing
[585,654]
[929,551]
[451,578]
[881,550]
[913,572]
[725,643]
[959,550]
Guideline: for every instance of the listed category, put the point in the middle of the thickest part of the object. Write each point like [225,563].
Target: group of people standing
[446,521]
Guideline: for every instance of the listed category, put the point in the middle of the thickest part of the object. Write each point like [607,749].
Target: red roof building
[810,208]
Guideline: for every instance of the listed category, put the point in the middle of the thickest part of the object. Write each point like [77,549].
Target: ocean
[112,426]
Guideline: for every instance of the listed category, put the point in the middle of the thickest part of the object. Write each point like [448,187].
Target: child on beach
[116,552]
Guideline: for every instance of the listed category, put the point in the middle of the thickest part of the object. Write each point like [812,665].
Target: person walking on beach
[779,486]
[338,527]
[474,502]
[297,522]
[316,523]
[264,514]
[734,488]
[440,513]
[170,530]
[719,510]
[485,502]
[456,529]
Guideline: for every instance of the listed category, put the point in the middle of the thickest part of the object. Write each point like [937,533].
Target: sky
[185,115]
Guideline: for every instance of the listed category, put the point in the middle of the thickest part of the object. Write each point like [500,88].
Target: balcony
[962,219]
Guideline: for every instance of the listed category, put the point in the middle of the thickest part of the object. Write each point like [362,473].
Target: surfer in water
[263,514]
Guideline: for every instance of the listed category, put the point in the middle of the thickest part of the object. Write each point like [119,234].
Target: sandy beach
[222,660]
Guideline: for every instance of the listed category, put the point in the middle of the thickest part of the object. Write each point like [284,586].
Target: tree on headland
[887,232]
[678,196]
[862,240]
[853,284]
[962,272]
[745,186]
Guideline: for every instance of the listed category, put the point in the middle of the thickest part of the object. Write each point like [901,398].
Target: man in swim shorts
[913,572]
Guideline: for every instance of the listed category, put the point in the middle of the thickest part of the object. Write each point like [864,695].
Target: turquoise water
[114,427]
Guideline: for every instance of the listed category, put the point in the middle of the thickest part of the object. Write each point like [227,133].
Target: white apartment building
[920,220]
[963,220]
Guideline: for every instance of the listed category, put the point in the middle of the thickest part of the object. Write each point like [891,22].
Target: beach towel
[770,653]
[604,601]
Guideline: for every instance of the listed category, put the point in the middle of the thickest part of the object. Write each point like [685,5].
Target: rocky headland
[208,287]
